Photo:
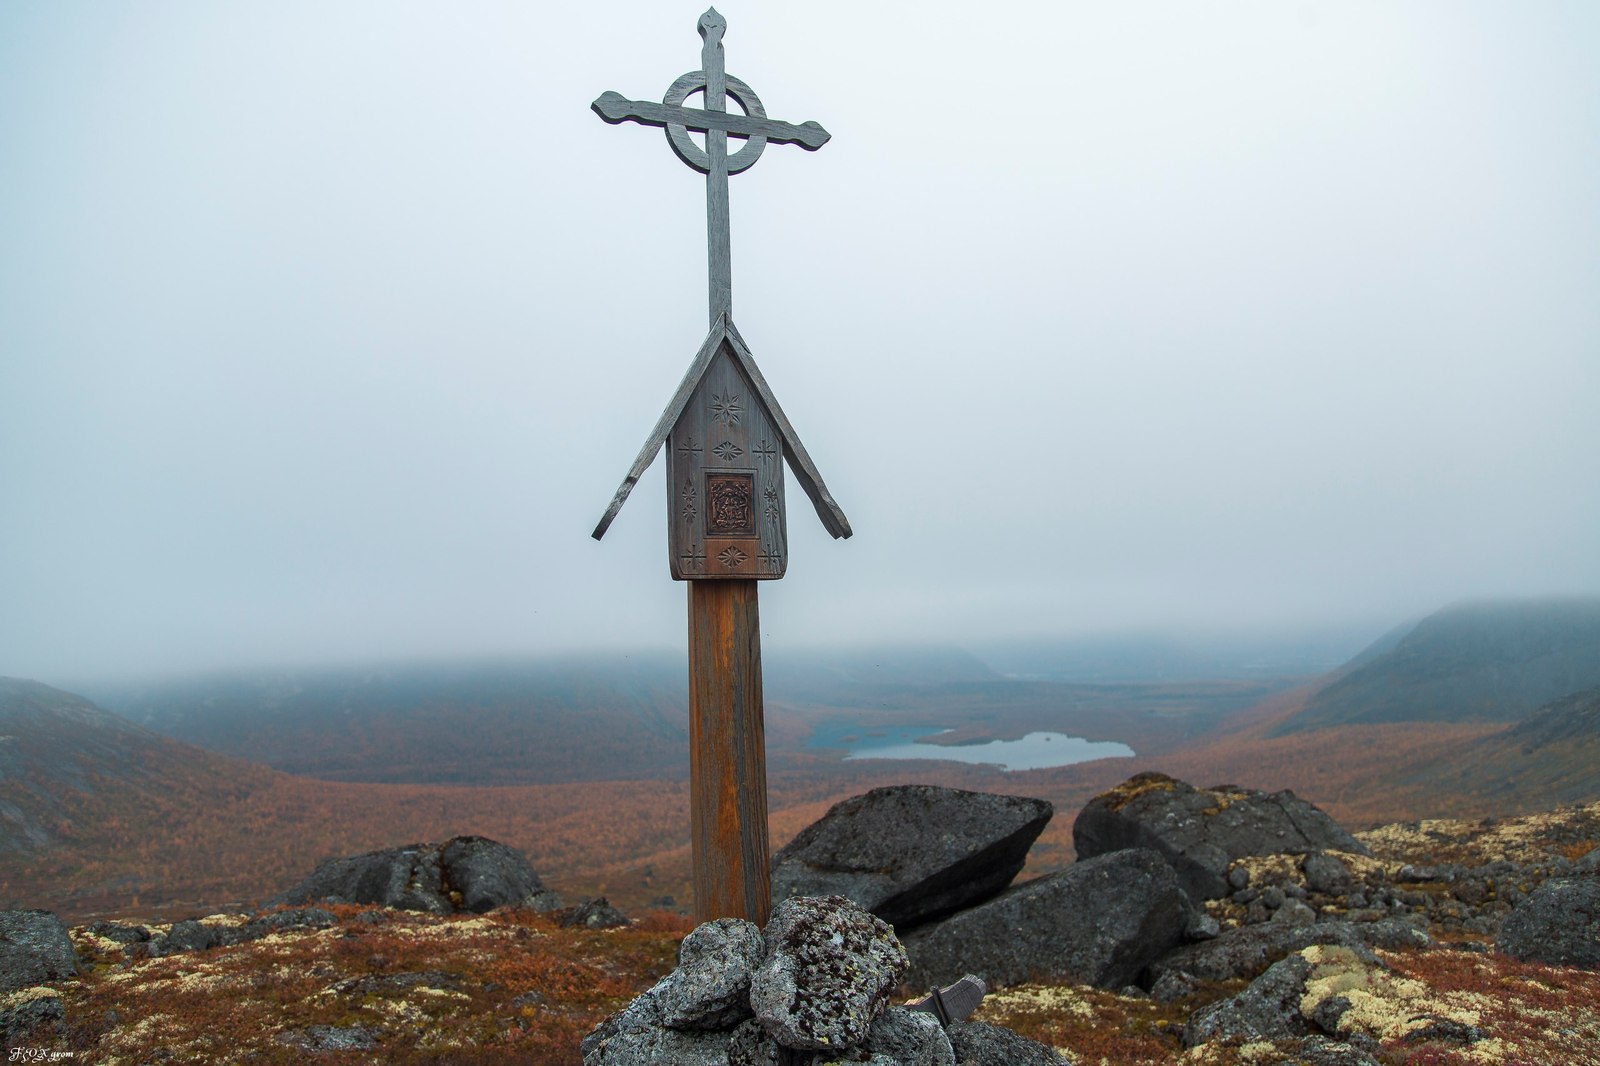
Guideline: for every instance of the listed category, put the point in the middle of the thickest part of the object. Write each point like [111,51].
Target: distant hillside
[487,723]
[58,750]
[1553,755]
[1472,662]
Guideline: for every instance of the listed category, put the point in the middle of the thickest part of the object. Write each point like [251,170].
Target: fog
[327,331]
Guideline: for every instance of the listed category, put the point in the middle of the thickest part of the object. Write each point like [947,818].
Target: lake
[1036,751]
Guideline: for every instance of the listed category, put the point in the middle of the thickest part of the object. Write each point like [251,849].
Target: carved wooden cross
[727,443]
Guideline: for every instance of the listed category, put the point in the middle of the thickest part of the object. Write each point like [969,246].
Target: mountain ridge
[1489,661]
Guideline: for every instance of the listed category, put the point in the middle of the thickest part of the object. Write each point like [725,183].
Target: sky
[328,330]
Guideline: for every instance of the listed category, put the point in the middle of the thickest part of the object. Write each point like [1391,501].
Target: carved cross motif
[715,121]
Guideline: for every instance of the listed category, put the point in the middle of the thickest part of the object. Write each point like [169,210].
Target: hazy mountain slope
[479,723]
[58,750]
[1554,754]
[1470,662]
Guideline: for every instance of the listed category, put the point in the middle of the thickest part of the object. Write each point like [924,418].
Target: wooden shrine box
[725,468]
[727,442]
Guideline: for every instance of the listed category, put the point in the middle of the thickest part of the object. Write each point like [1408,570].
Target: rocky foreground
[1199,925]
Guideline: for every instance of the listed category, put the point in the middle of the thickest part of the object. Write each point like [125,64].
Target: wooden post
[726,528]
[727,754]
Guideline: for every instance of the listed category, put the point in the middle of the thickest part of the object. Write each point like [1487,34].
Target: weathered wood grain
[727,754]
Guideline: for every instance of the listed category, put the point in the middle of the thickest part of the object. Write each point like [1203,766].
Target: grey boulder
[1269,1009]
[1244,952]
[1201,831]
[636,1037]
[710,989]
[1097,922]
[34,949]
[1559,924]
[912,853]
[463,874]
[982,1044]
[828,972]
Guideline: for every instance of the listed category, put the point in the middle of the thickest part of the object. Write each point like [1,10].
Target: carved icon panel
[725,469]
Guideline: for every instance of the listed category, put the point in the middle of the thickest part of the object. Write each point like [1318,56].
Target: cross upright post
[727,442]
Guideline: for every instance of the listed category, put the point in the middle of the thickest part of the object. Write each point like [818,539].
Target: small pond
[1036,751]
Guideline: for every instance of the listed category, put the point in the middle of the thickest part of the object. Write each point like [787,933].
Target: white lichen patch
[1216,1053]
[86,941]
[1383,1005]
[441,993]
[1529,839]
[201,981]
[231,921]
[27,995]
[1059,1000]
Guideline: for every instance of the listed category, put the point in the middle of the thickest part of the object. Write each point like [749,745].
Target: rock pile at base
[813,988]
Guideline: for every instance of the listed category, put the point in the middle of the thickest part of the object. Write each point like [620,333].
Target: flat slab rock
[912,853]
[1098,922]
[1201,831]
[464,874]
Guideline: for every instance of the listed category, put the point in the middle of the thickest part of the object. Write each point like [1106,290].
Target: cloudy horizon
[329,331]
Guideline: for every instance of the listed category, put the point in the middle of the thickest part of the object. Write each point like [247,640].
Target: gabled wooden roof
[805,472]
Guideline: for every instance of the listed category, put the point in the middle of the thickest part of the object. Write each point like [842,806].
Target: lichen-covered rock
[912,853]
[1558,924]
[982,1044]
[34,949]
[710,989]
[828,972]
[1097,922]
[463,874]
[1201,831]
[1245,951]
[635,1036]
[909,1038]
[1326,874]
[30,1015]
[1269,1009]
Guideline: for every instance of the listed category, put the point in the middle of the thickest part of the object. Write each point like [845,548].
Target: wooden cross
[716,123]
[727,443]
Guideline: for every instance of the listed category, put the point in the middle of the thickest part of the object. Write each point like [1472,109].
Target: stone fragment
[912,853]
[1269,1009]
[34,949]
[1247,950]
[597,913]
[1326,874]
[909,1038]
[29,1016]
[121,934]
[1558,924]
[330,1038]
[463,874]
[828,972]
[635,1037]
[710,989]
[486,874]
[1201,831]
[982,1044]
[1097,922]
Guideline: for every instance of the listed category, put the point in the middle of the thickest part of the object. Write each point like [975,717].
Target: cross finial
[713,160]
